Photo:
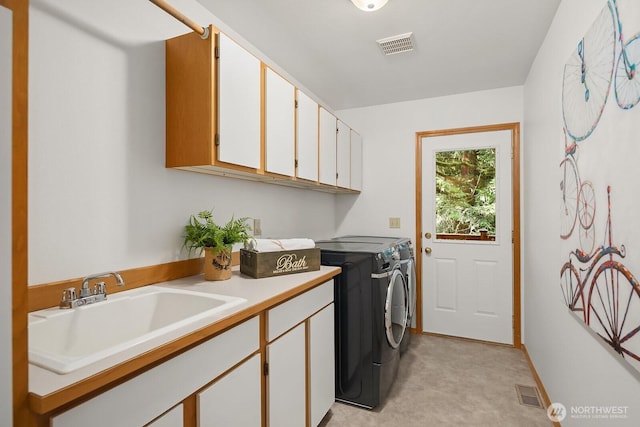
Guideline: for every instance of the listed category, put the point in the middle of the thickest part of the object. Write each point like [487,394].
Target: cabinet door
[238,105]
[173,418]
[307,137]
[327,147]
[279,124]
[343,155]
[235,399]
[321,364]
[356,161]
[286,382]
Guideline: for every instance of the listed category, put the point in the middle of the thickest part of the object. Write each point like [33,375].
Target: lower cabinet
[173,418]
[224,376]
[235,400]
[286,389]
[321,353]
[300,358]
[144,398]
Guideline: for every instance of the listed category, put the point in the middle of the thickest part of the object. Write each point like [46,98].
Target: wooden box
[269,264]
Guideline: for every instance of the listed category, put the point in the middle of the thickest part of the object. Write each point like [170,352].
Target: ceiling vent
[396,44]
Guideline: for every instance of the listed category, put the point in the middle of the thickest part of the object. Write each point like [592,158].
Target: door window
[465,192]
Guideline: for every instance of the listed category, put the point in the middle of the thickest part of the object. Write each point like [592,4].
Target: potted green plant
[202,233]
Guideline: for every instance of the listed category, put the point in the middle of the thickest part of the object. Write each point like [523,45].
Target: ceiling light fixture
[369,5]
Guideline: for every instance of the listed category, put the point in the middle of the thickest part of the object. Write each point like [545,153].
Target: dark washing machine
[408,266]
[370,318]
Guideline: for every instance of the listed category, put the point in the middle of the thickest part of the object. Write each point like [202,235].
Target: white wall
[575,367]
[389,145]
[6,390]
[100,197]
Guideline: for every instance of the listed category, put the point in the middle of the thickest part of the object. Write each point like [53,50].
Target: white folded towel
[273,245]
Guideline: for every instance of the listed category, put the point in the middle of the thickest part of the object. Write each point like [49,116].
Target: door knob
[427,235]
[427,250]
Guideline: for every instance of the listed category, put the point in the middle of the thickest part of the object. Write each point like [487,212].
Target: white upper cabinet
[238,105]
[279,124]
[327,172]
[307,137]
[356,161]
[343,155]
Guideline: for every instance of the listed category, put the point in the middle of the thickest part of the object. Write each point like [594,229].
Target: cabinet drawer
[146,396]
[288,314]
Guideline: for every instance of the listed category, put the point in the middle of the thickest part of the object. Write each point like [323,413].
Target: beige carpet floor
[450,382]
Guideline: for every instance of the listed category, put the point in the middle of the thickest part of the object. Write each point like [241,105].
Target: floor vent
[528,396]
[396,44]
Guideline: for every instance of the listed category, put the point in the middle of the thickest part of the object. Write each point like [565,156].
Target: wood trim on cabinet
[190,411]
[307,369]
[264,327]
[19,211]
[515,177]
[49,294]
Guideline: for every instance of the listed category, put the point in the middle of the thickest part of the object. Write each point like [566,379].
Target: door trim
[19,254]
[515,178]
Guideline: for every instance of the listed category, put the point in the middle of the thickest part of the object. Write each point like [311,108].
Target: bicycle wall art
[599,232]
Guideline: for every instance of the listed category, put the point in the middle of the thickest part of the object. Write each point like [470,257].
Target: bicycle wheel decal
[572,289]
[587,77]
[569,192]
[586,205]
[614,308]
[587,239]
[627,86]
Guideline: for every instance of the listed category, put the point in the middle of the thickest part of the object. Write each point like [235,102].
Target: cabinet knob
[427,235]
[427,250]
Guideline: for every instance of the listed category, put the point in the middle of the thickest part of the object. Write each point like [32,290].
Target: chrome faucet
[87,296]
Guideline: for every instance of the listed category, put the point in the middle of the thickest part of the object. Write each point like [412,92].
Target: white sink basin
[64,340]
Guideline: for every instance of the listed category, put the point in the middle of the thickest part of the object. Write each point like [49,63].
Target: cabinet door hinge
[337,130]
[265,369]
[217,139]
[216,52]
[295,163]
[295,103]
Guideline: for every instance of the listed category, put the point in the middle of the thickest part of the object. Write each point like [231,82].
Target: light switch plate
[394,222]
[257,227]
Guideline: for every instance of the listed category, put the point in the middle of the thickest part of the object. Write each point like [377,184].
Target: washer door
[396,308]
[411,287]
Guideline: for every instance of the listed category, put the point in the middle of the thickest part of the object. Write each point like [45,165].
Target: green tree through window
[466,191]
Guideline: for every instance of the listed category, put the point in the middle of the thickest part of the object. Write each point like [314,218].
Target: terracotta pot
[217,266]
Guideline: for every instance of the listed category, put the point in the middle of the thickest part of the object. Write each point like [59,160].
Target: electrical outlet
[394,222]
[257,227]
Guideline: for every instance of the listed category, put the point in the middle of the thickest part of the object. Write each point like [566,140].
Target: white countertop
[43,382]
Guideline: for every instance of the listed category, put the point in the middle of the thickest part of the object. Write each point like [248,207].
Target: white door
[327,131]
[307,137]
[467,285]
[343,155]
[356,161]
[322,388]
[286,383]
[233,400]
[238,105]
[279,124]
